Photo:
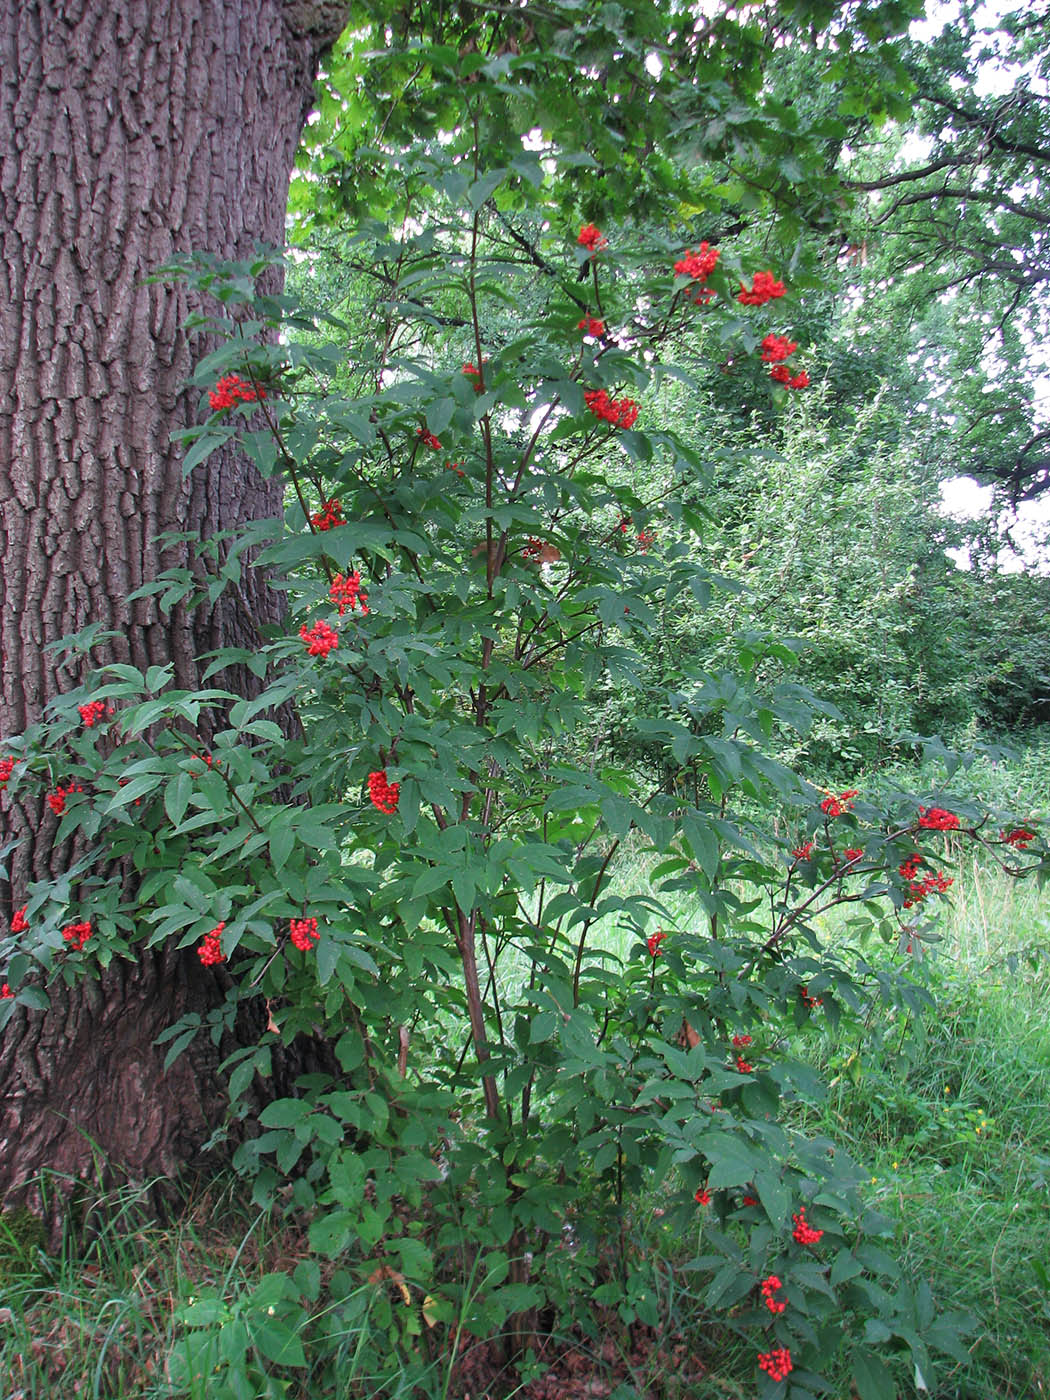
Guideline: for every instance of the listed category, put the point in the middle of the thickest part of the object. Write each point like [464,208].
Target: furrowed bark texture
[131,130]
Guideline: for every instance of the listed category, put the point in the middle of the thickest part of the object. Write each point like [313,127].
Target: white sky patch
[1025,549]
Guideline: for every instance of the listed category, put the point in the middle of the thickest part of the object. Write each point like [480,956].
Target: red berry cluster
[920,886]
[646,539]
[5,992]
[804,1232]
[210,949]
[770,1286]
[57,800]
[776,1363]
[7,767]
[621,413]
[328,517]
[653,943]
[76,935]
[835,806]
[1018,838]
[384,795]
[455,467]
[703,1196]
[699,265]
[428,439]
[346,591]
[764,287]
[808,1000]
[777,347]
[320,639]
[740,1041]
[852,853]
[780,374]
[208,762]
[937,819]
[591,325]
[19,924]
[590,237]
[304,934]
[804,851]
[230,389]
[92,712]
[476,375]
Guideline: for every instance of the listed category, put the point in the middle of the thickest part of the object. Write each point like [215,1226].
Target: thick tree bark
[131,130]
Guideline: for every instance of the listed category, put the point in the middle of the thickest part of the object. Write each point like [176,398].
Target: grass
[955,1133]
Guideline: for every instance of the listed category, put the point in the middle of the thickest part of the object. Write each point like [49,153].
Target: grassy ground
[951,1125]
[955,1132]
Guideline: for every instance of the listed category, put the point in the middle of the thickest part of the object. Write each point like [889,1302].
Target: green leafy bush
[418,866]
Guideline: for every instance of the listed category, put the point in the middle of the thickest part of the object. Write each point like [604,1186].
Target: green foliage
[405,837]
[500,1067]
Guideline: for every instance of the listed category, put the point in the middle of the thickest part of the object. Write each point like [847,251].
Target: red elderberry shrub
[653,943]
[740,1041]
[703,1196]
[800,381]
[833,806]
[770,1286]
[304,933]
[328,517]
[209,950]
[804,1232]
[1019,837]
[76,935]
[19,924]
[937,819]
[590,237]
[384,794]
[764,287]
[92,712]
[346,592]
[804,851]
[646,539]
[777,347]
[591,325]
[621,413]
[320,639]
[743,1066]
[230,389]
[7,767]
[776,1363]
[428,439]
[852,853]
[698,265]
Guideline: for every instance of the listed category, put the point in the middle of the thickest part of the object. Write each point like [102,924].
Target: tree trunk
[131,130]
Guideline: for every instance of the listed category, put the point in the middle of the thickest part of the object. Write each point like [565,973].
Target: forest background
[804,638]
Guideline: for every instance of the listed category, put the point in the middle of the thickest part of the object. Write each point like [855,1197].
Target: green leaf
[870,1376]
[703,842]
[284,1113]
[733,1160]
